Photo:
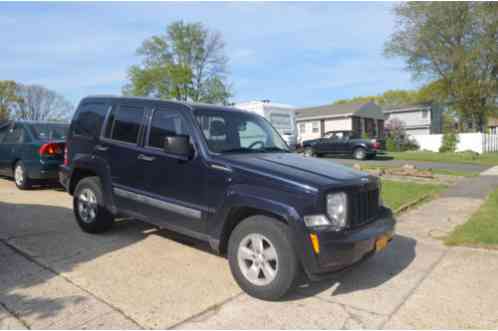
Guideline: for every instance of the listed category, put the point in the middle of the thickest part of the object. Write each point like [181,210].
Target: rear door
[10,148]
[120,147]
[3,150]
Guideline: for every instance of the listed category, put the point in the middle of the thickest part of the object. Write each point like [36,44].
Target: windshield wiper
[275,149]
[239,150]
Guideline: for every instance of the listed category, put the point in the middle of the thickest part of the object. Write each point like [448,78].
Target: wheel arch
[237,215]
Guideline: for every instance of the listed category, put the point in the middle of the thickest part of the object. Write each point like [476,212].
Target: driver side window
[165,123]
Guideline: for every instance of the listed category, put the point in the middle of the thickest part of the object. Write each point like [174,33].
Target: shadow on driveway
[370,273]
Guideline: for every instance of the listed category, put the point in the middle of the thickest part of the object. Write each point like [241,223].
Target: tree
[455,44]
[41,104]
[388,98]
[8,98]
[188,63]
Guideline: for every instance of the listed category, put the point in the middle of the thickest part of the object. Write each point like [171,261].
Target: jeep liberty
[224,176]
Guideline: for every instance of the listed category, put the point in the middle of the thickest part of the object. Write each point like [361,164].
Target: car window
[49,131]
[90,119]
[228,132]
[14,136]
[3,132]
[250,133]
[126,124]
[165,123]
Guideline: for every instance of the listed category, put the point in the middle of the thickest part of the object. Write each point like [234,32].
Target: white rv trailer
[281,116]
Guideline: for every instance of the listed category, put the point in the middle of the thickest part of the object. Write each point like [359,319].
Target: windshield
[238,132]
[50,131]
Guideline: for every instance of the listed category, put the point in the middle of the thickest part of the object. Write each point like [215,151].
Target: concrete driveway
[383,161]
[52,275]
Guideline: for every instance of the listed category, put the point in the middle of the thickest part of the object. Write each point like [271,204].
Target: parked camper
[281,116]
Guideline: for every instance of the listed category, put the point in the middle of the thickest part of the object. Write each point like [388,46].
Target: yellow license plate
[381,243]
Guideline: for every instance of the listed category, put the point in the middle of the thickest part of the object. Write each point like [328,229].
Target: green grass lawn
[481,229]
[398,194]
[464,157]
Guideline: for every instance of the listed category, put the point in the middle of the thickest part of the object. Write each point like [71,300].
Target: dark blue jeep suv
[224,176]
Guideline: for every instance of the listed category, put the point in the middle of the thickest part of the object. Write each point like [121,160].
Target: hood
[297,168]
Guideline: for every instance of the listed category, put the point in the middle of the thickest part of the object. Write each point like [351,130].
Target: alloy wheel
[87,205]
[19,175]
[258,259]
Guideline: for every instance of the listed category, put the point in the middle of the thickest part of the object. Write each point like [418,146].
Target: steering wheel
[260,142]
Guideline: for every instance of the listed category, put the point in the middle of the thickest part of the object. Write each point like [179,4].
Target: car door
[174,184]
[3,151]
[10,148]
[329,144]
[120,148]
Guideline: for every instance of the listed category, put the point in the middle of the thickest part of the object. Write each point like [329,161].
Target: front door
[174,185]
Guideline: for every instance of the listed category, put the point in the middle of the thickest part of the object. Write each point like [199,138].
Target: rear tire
[262,258]
[23,182]
[309,152]
[359,153]
[88,206]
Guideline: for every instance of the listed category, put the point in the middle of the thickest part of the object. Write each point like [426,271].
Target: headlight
[337,210]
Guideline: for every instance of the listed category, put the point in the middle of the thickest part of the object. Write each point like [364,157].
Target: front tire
[88,206]
[360,153]
[23,182]
[262,258]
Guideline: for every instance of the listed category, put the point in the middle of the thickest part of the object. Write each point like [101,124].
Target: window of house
[316,127]
[302,128]
[127,123]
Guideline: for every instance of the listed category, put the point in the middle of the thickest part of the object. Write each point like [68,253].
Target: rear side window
[89,120]
[126,124]
[14,136]
[165,123]
[3,132]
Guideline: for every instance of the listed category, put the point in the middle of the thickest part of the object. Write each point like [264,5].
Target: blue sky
[302,54]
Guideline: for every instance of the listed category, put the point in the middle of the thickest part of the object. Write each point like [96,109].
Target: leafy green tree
[388,98]
[8,98]
[456,44]
[187,63]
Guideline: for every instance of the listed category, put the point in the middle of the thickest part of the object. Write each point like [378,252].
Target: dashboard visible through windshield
[238,132]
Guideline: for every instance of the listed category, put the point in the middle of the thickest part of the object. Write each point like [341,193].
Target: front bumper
[339,251]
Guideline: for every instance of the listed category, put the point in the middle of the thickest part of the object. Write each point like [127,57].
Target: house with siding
[359,118]
[417,119]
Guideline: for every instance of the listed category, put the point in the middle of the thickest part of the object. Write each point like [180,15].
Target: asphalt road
[54,276]
[385,162]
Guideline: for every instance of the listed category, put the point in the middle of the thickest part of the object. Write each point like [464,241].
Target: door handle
[101,148]
[146,158]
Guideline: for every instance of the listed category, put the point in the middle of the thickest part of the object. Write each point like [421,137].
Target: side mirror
[178,145]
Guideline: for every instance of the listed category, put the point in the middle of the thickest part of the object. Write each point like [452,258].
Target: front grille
[363,206]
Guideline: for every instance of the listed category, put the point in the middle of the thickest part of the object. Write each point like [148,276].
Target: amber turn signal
[315,243]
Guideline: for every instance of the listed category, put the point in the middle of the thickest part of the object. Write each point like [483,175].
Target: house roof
[365,109]
[406,107]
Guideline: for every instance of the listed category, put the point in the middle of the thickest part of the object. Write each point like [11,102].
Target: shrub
[397,140]
[449,144]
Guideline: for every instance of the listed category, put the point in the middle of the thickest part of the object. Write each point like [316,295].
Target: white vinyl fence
[477,142]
